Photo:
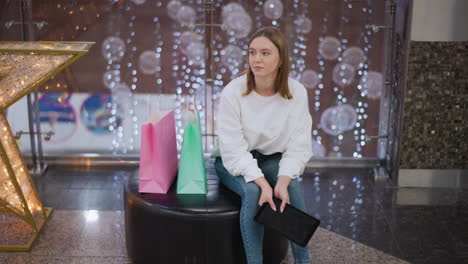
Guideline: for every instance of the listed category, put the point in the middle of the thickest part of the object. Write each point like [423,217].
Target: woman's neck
[265,86]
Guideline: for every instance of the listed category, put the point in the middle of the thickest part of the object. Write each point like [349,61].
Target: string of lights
[360,131]
[113,50]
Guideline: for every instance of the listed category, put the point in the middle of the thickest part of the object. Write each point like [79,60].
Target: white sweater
[268,124]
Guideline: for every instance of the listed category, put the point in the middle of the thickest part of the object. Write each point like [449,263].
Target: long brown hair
[281,81]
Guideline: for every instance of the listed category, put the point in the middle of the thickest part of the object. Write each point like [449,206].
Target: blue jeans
[252,232]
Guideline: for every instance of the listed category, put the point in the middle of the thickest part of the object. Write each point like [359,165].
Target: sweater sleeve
[232,144]
[299,147]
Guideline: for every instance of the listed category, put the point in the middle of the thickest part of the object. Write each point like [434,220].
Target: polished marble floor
[97,237]
[363,220]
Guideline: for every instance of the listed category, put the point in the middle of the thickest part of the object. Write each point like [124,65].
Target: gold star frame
[24,66]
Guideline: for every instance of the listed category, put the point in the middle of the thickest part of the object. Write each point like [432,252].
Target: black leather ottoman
[190,229]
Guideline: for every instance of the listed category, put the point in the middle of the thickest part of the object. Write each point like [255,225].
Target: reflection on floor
[361,219]
[421,225]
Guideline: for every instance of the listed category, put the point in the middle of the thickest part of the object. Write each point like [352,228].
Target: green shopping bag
[192,172]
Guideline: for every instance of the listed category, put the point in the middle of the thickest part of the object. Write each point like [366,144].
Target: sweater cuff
[249,177]
[290,168]
[288,174]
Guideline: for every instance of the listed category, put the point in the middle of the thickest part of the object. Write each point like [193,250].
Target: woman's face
[264,58]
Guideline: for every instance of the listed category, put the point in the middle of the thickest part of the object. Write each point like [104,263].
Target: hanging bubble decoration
[349,116]
[149,62]
[172,8]
[191,45]
[310,79]
[237,21]
[111,78]
[303,25]
[196,52]
[230,8]
[122,98]
[343,74]
[187,38]
[371,84]
[273,9]
[338,119]
[231,56]
[186,15]
[113,48]
[318,150]
[355,57]
[330,48]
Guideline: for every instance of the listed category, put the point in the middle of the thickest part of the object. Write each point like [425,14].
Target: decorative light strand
[198,88]
[360,131]
[113,66]
[337,89]
[176,74]
[321,71]
[133,134]
[299,48]
[258,13]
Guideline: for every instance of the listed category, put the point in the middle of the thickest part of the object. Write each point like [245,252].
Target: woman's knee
[252,191]
[294,186]
[219,166]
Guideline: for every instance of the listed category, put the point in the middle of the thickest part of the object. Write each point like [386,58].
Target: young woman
[264,128]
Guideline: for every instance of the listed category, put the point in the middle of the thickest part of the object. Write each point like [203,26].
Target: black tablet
[293,223]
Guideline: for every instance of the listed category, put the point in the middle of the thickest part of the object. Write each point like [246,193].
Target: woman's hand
[281,191]
[266,195]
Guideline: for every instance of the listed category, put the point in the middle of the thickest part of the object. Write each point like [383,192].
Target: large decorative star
[24,66]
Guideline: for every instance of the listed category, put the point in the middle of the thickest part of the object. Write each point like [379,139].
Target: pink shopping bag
[158,155]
